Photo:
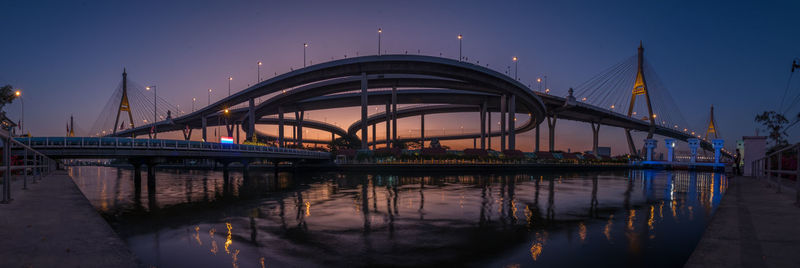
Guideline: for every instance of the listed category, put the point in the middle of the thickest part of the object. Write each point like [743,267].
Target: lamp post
[193,101]
[516,67]
[379,41]
[18,94]
[539,82]
[230,78]
[459,46]
[209,97]
[305,45]
[155,102]
[259,71]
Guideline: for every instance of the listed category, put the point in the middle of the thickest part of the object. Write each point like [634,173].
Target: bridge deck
[53,225]
[753,227]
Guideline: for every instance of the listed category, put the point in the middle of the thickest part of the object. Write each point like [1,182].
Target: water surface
[611,218]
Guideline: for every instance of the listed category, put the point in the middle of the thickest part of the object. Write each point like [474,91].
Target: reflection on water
[200,219]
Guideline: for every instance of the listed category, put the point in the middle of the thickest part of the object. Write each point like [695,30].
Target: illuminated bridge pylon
[640,88]
[711,130]
[124,104]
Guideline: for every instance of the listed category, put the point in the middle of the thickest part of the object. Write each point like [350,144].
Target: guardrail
[25,159]
[771,166]
[149,144]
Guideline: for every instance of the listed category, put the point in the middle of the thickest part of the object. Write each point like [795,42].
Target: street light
[230,78]
[379,41]
[516,67]
[459,47]
[259,71]
[209,97]
[193,101]
[18,94]
[305,45]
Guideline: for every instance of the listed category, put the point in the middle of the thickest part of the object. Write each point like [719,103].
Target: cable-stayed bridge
[628,95]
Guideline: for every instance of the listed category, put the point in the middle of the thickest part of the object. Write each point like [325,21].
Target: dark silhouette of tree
[774,122]
[6,95]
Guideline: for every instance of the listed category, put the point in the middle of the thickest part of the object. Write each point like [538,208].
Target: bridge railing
[21,159]
[161,144]
[779,164]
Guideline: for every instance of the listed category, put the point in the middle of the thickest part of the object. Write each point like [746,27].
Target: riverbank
[53,225]
[753,227]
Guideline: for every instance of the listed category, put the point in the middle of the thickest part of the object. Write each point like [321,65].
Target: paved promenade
[753,227]
[53,225]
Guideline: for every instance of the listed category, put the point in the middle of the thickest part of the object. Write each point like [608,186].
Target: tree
[774,122]
[6,95]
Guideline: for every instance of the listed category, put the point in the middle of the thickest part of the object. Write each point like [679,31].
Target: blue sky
[67,56]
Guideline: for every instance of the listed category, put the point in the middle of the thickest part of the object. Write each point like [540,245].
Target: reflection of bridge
[442,85]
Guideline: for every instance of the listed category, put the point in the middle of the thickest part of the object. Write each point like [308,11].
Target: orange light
[17,93]
[230,78]
[612,106]
[305,45]
[514,59]
[147,88]
[259,63]
[226,111]
[379,30]
[538,80]
[459,36]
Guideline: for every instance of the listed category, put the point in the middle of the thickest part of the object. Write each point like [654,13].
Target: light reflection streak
[197,235]
[582,231]
[228,240]
[607,229]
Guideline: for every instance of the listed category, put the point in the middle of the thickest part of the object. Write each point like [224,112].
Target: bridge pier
[489,130]
[693,145]
[631,145]
[512,118]
[650,144]
[595,136]
[536,146]
[298,115]
[717,143]
[483,125]
[151,179]
[280,127]
[551,123]
[364,104]
[388,139]
[374,133]
[422,131]
[503,110]
[670,143]
[251,120]
[394,116]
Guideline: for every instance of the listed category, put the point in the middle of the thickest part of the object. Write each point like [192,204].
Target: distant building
[604,151]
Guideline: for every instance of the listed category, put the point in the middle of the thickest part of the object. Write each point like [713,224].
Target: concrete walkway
[753,227]
[53,225]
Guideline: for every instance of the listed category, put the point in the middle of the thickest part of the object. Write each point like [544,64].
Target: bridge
[434,85]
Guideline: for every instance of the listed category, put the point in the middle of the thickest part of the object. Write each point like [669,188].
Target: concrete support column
[251,123]
[693,145]
[205,126]
[489,130]
[595,136]
[503,110]
[551,124]
[280,127]
[298,115]
[718,143]
[388,116]
[536,146]
[670,144]
[237,133]
[650,144]
[483,125]
[422,131]
[394,116]
[512,118]
[374,133]
[364,104]
[151,179]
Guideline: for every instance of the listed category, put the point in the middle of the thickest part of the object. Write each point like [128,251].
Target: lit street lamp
[259,71]
[155,107]
[193,101]
[305,45]
[18,94]
[379,41]
[209,97]
[516,67]
[459,47]
[230,78]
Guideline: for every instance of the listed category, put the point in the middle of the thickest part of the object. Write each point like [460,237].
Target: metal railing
[771,167]
[24,159]
[160,144]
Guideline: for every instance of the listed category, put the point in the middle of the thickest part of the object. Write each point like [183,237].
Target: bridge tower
[640,88]
[71,127]
[124,104]
[712,126]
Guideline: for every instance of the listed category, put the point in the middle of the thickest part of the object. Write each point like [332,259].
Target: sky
[67,56]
